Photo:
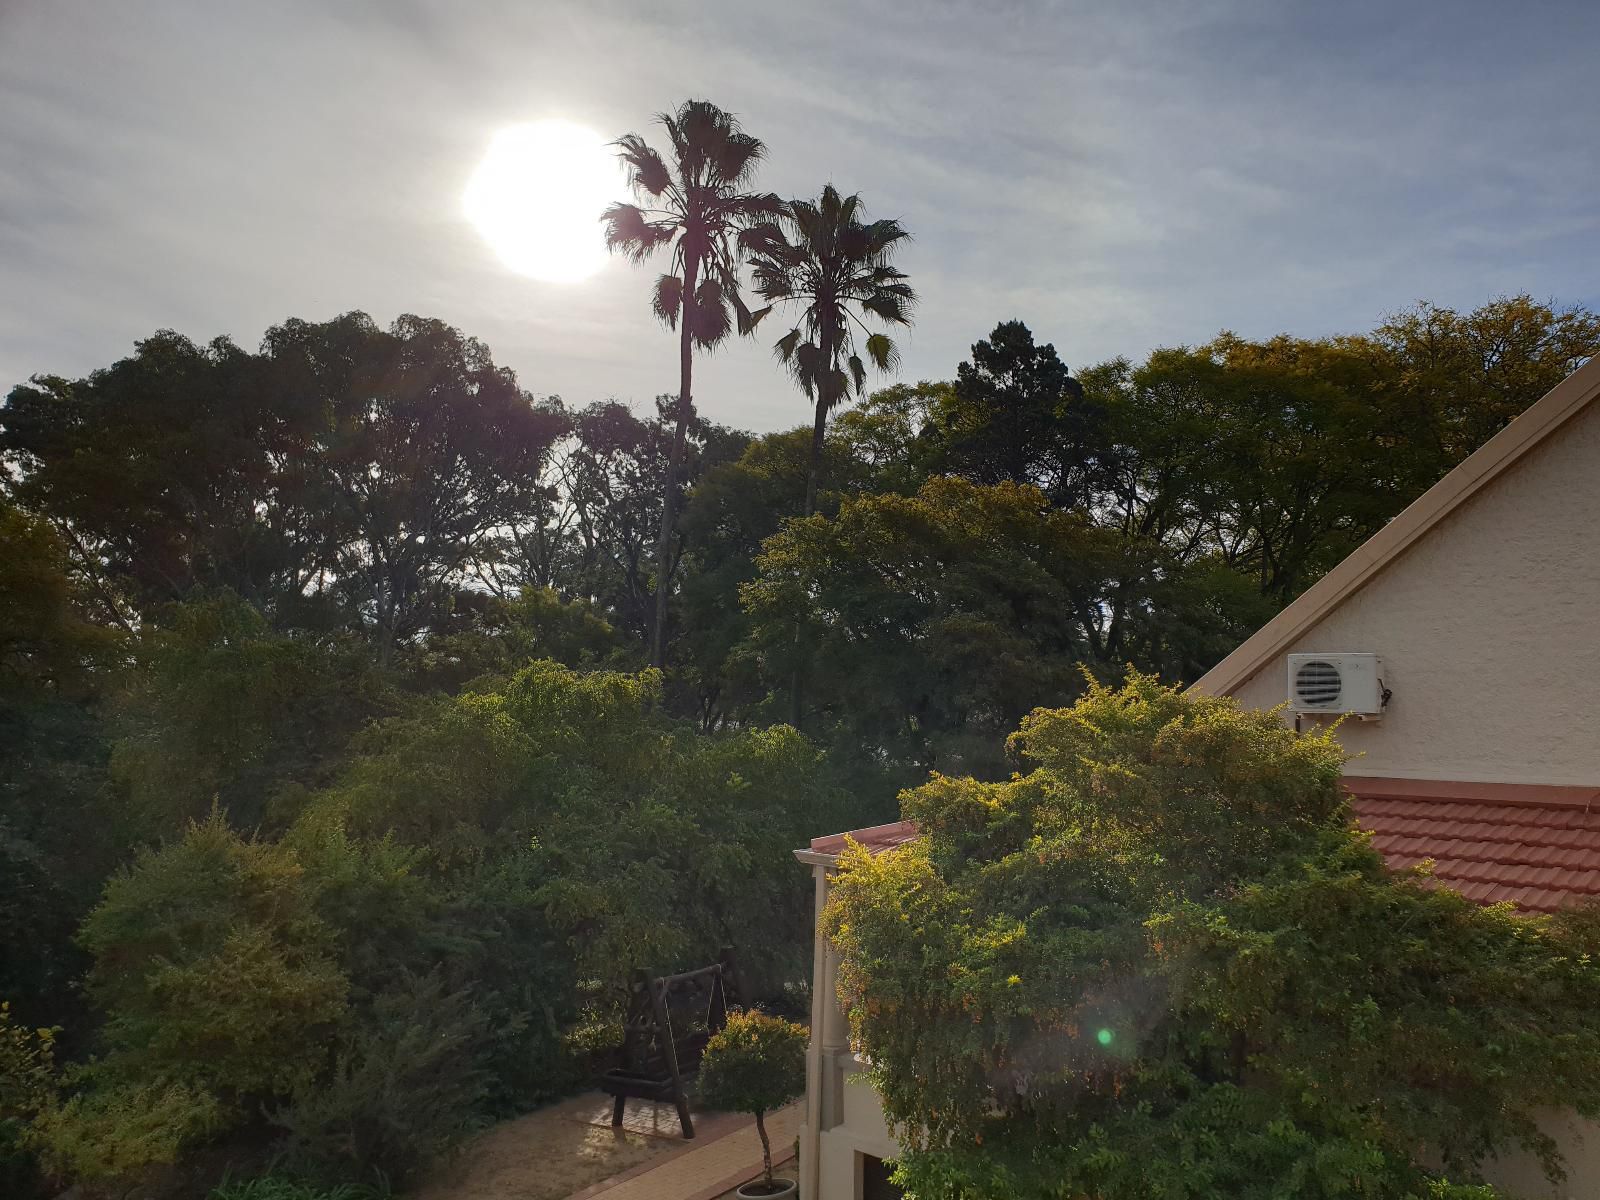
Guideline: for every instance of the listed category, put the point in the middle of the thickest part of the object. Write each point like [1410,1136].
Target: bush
[114,1131]
[478,925]
[275,1186]
[27,1086]
[221,709]
[220,991]
[404,1087]
[213,967]
[755,1064]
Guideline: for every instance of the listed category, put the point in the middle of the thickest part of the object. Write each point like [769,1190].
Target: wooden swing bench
[670,1019]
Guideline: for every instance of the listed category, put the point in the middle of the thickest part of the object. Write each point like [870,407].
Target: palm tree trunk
[819,429]
[814,472]
[669,498]
[820,425]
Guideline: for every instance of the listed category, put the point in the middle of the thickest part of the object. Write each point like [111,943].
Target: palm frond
[668,300]
[749,318]
[887,307]
[630,233]
[858,372]
[712,322]
[884,236]
[885,355]
[647,173]
[734,156]
[762,239]
[786,346]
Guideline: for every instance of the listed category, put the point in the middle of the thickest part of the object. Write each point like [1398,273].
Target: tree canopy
[327,744]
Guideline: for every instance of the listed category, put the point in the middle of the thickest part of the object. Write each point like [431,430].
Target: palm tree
[697,204]
[824,258]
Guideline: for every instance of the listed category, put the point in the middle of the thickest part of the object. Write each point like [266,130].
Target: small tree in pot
[755,1064]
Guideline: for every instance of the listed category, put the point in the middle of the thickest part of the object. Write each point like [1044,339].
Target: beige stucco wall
[861,1130]
[1489,630]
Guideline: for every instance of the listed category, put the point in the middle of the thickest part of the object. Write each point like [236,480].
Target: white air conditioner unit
[1337,683]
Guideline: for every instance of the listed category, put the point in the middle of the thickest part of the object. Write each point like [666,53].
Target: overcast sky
[1118,175]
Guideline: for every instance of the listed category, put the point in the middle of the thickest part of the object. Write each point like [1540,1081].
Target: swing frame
[656,1062]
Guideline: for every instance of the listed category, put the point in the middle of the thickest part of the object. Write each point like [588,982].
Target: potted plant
[755,1064]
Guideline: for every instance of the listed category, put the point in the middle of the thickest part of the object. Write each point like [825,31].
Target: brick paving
[721,1157]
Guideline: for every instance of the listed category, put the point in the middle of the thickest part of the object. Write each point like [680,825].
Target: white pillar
[822,1000]
[835,1028]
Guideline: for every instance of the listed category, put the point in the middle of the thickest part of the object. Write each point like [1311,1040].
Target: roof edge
[1487,463]
[1542,795]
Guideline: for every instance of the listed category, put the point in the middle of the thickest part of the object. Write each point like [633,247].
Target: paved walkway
[723,1155]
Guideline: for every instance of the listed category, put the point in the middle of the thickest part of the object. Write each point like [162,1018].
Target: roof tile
[1536,846]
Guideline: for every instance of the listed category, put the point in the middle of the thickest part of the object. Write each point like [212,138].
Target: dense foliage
[336,802]
[1163,964]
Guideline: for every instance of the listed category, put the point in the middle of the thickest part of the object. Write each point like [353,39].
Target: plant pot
[756,1189]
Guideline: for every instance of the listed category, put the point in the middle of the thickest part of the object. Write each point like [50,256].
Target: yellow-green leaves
[1162,964]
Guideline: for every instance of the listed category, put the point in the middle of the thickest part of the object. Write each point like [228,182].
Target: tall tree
[60,832]
[157,472]
[422,448]
[697,204]
[1016,413]
[836,268]
[1464,376]
[345,475]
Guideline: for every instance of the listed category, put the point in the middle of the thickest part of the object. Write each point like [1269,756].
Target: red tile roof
[1536,846]
[876,839]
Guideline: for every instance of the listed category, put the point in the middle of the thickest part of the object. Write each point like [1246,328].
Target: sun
[537,197]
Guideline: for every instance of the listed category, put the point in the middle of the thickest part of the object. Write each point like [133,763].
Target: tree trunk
[766,1149]
[819,429]
[669,498]
[820,425]
[814,472]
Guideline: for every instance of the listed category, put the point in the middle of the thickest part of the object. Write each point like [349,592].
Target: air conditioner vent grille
[1317,683]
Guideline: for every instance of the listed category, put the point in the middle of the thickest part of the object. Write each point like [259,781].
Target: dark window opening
[875,1183]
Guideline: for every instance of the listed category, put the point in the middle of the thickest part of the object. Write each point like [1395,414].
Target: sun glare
[537,197]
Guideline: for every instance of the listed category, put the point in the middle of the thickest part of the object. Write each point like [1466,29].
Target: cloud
[1117,176]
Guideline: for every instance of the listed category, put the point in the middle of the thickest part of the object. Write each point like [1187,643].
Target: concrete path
[724,1154]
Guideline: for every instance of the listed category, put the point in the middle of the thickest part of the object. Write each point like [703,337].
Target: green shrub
[755,1064]
[652,844]
[27,1086]
[275,1186]
[213,968]
[113,1131]
[405,1087]
[220,991]
[222,709]
[477,924]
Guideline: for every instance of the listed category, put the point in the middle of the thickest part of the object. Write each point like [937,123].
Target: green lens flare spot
[1105,1037]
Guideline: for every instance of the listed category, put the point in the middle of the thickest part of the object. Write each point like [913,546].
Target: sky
[1120,176]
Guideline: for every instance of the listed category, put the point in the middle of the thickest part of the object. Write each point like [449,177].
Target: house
[1479,609]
